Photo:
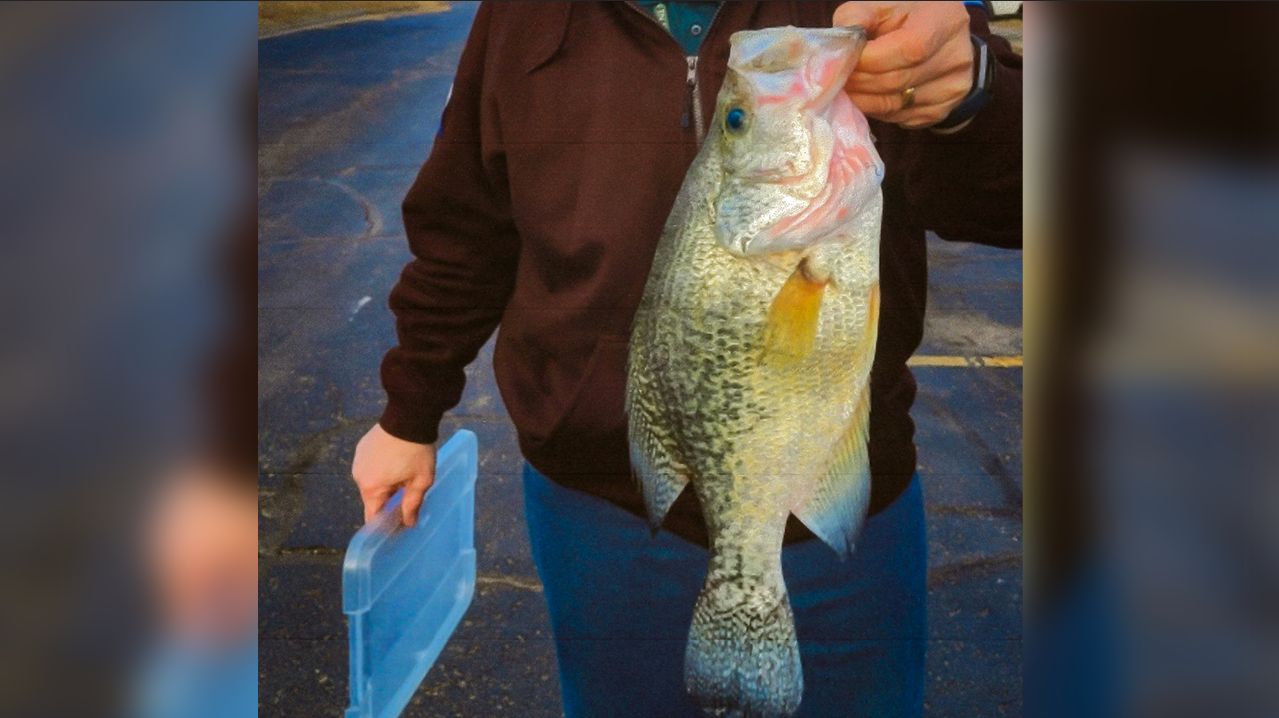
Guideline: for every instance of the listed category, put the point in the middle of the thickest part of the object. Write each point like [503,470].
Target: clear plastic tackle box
[404,590]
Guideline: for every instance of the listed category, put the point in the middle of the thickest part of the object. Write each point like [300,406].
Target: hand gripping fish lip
[801,164]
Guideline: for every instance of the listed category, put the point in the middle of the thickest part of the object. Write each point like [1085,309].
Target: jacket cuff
[406,419]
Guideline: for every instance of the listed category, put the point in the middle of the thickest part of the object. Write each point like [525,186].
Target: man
[568,134]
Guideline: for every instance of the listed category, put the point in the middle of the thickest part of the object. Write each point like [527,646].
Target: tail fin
[742,659]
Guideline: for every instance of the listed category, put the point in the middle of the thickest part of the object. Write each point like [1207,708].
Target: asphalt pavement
[346,117]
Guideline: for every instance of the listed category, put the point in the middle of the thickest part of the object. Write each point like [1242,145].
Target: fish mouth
[831,74]
[819,82]
[786,61]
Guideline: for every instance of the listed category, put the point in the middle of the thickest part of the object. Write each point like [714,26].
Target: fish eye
[735,119]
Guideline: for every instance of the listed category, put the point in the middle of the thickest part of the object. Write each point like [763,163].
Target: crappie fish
[750,355]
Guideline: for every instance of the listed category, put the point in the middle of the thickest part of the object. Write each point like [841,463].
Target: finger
[940,95]
[885,83]
[876,17]
[900,49]
[854,13]
[917,117]
[876,105]
[414,493]
[373,502]
[921,35]
[957,56]
[933,102]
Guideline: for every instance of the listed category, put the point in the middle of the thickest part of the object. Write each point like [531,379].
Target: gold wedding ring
[908,98]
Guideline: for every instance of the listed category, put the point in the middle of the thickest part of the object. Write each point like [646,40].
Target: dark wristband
[979,96]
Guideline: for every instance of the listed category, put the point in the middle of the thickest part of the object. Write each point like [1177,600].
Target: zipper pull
[691,83]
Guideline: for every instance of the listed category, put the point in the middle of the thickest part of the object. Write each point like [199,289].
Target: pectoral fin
[791,327]
[835,513]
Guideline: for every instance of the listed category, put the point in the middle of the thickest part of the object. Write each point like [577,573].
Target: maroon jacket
[543,200]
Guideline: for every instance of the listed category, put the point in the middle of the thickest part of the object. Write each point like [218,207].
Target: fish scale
[750,356]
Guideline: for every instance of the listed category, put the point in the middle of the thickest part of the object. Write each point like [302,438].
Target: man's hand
[383,464]
[924,45]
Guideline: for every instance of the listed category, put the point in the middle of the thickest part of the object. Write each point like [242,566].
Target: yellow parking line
[925,360]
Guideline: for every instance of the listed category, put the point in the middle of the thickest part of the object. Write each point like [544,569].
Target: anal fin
[836,511]
[661,479]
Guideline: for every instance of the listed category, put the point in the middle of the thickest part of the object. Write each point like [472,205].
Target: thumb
[854,13]
[876,17]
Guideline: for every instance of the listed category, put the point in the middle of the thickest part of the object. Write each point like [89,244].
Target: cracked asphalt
[346,117]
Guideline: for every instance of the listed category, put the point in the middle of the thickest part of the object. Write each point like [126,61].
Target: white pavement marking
[358,306]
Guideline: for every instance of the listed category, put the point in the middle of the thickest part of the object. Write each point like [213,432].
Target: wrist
[978,96]
[407,425]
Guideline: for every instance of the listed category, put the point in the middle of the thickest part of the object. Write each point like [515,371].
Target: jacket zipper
[694,101]
[693,96]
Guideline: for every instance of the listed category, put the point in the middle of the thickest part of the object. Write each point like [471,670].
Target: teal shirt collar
[687,22]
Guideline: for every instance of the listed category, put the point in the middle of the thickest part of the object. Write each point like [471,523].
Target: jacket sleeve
[968,185]
[451,295]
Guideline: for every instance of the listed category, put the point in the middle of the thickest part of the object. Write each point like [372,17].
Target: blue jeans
[621,601]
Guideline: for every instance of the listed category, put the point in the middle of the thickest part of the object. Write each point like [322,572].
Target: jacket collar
[551,40]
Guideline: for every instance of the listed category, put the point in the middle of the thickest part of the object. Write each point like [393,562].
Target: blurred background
[1151,323]
[1152,159]
[127,562]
